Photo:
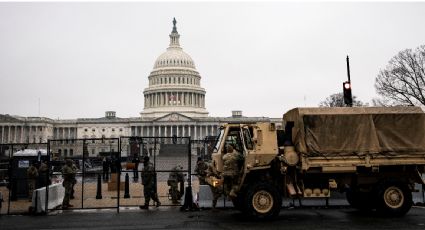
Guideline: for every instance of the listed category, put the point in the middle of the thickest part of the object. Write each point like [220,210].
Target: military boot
[146,206]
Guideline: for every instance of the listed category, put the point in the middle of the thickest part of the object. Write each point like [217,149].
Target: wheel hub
[262,201]
[394,197]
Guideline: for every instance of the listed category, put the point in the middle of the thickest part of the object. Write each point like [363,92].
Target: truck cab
[257,143]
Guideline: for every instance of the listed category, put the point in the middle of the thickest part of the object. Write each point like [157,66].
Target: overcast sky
[81,59]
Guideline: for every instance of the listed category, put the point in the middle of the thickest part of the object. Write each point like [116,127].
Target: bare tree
[337,100]
[402,82]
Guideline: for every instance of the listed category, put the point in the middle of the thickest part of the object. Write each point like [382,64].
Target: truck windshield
[218,140]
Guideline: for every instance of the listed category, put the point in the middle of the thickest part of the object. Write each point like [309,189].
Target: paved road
[172,218]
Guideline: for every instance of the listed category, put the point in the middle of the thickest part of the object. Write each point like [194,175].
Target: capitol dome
[174,57]
[174,84]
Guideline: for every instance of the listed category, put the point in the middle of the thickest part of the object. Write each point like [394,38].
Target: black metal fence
[108,172]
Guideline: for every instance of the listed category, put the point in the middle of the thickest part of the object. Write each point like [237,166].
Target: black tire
[360,200]
[394,199]
[262,201]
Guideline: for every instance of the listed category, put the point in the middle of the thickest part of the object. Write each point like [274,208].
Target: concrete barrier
[205,197]
[56,194]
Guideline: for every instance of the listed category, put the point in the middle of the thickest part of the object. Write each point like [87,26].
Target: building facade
[174,105]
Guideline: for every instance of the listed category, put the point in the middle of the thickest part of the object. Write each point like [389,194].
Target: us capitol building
[174,104]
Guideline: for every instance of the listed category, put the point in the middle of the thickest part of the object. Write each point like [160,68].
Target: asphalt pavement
[314,218]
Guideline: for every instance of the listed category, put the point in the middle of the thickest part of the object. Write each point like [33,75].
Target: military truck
[374,155]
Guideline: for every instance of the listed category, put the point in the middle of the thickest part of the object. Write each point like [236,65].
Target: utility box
[20,163]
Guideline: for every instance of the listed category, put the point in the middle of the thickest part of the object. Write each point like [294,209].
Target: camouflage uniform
[216,191]
[231,171]
[74,167]
[201,169]
[174,179]
[68,173]
[43,171]
[32,174]
[148,181]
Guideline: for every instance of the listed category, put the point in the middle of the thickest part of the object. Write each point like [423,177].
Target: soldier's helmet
[229,148]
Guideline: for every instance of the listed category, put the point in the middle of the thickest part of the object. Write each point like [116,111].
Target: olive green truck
[374,155]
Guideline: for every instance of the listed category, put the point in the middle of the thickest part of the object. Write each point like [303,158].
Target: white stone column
[148,131]
[22,134]
[153,131]
[12,134]
[8,134]
[177,130]
[192,100]
[196,137]
[165,131]
[29,133]
[171,133]
[189,127]
[184,133]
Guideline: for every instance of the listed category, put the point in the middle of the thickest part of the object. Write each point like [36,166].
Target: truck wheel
[263,201]
[394,199]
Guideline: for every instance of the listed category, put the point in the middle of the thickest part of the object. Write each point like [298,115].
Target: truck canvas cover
[343,131]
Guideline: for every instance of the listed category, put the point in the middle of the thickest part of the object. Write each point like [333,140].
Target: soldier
[74,167]
[68,173]
[231,162]
[148,181]
[136,162]
[105,169]
[201,170]
[216,192]
[43,179]
[175,178]
[32,175]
